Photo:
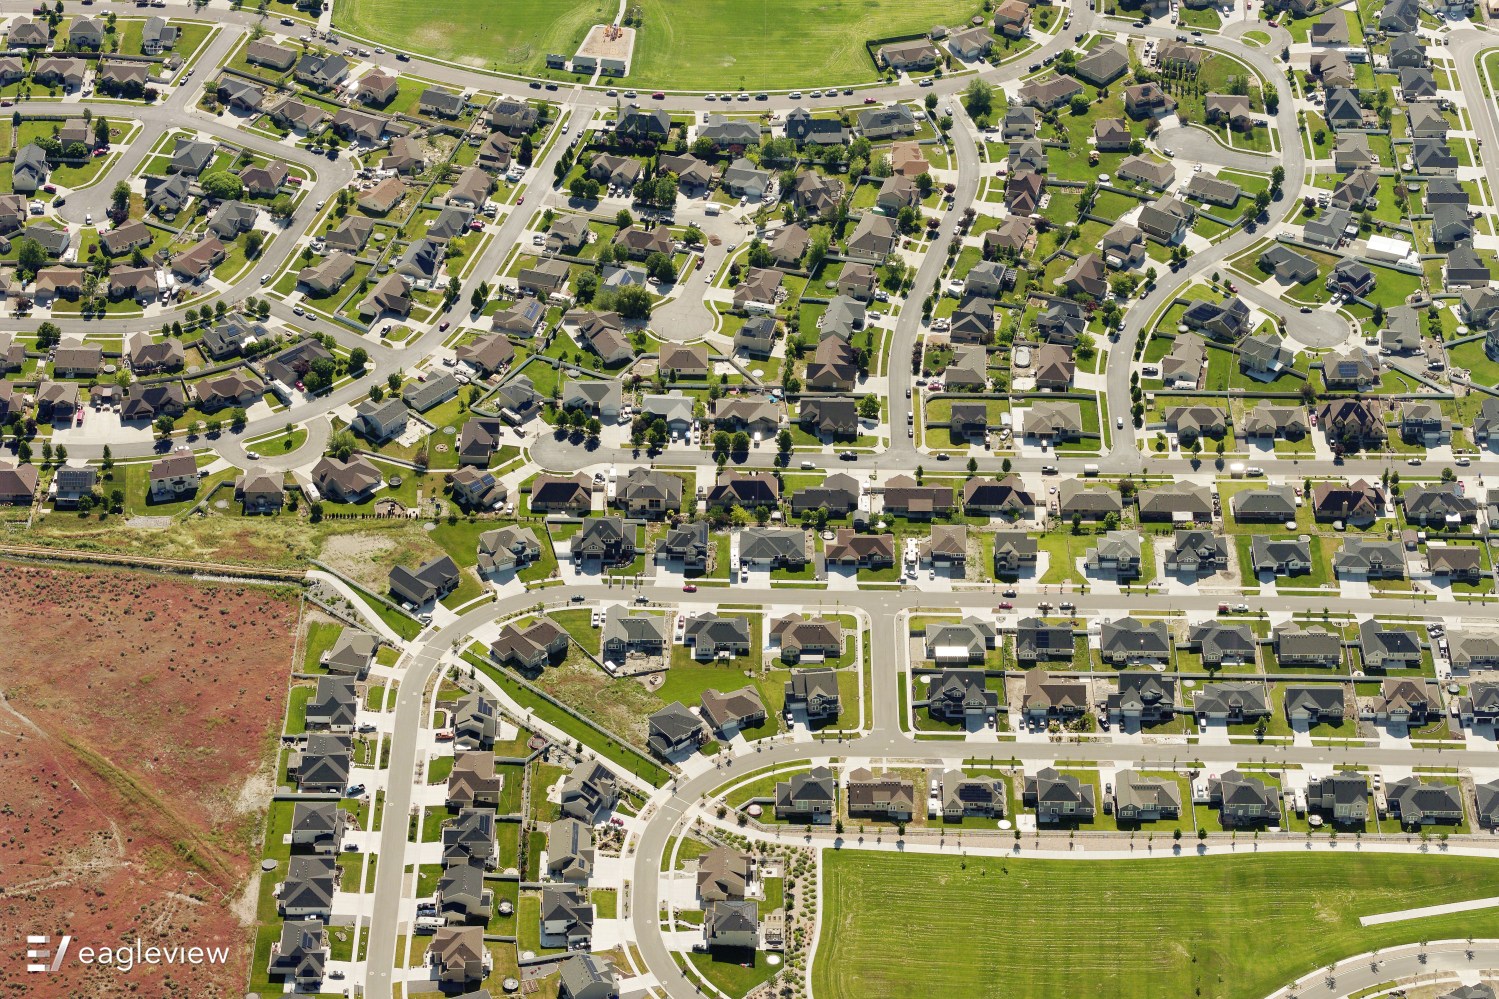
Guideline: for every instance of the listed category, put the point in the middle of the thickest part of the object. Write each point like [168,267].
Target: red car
[869,100]
[658,96]
[689,587]
[442,327]
[1006,605]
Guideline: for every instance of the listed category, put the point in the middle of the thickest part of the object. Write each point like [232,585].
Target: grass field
[1127,928]
[715,44]
[470,32]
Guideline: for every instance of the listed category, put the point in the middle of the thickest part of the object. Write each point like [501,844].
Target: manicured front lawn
[1133,928]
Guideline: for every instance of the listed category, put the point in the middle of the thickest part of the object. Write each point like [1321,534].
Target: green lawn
[1133,928]
[761,44]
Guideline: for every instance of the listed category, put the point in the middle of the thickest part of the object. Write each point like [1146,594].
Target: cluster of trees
[580,422]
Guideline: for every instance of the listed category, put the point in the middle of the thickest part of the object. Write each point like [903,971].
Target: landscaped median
[1127,928]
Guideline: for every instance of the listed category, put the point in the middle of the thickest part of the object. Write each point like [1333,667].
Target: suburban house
[809,797]
[1059,797]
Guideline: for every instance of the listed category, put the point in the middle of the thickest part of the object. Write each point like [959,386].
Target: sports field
[707,45]
[1234,927]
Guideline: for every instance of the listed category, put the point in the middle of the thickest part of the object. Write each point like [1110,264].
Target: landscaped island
[1227,927]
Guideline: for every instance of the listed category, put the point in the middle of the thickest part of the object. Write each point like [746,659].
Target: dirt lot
[367,557]
[137,710]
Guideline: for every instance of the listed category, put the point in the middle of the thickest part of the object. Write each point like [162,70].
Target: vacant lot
[1169,927]
[713,44]
[137,719]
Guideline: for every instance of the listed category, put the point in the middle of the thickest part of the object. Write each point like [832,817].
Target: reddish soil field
[137,724]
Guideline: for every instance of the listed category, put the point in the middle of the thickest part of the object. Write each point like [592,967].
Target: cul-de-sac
[749,499]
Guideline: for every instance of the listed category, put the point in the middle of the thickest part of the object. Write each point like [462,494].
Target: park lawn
[1134,928]
[517,42]
[768,44]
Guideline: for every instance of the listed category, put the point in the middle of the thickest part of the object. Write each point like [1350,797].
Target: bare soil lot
[137,710]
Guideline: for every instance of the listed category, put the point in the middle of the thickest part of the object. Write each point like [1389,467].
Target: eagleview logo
[37,953]
[122,958]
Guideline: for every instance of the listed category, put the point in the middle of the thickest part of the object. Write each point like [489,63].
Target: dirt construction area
[137,721]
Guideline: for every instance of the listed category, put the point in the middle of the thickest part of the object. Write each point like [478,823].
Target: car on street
[847,456]
[1006,605]
[689,587]
[442,327]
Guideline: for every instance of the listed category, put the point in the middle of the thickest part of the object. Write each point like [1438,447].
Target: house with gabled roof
[1242,800]
[1059,797]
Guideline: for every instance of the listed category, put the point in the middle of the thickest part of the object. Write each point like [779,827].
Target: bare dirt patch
[138,711]
[367,558]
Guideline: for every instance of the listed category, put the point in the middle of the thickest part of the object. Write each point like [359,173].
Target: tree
[659,266]
[587,285]
[163,427]
[869,407]
[254,240]
[221,184]
[1261,202]
[783,442]
[107,461]
[931,102]
[30,257]
[624,219]
[358,358]
[119,201]
[342,444]
[740,443]
[978,99]
[477,300]
[48,334]
[1079,104]
[238,418]
[633,302]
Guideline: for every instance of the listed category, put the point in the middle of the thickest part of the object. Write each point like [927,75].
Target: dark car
[847,455]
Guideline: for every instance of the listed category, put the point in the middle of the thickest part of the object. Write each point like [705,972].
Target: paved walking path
[1428,910]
